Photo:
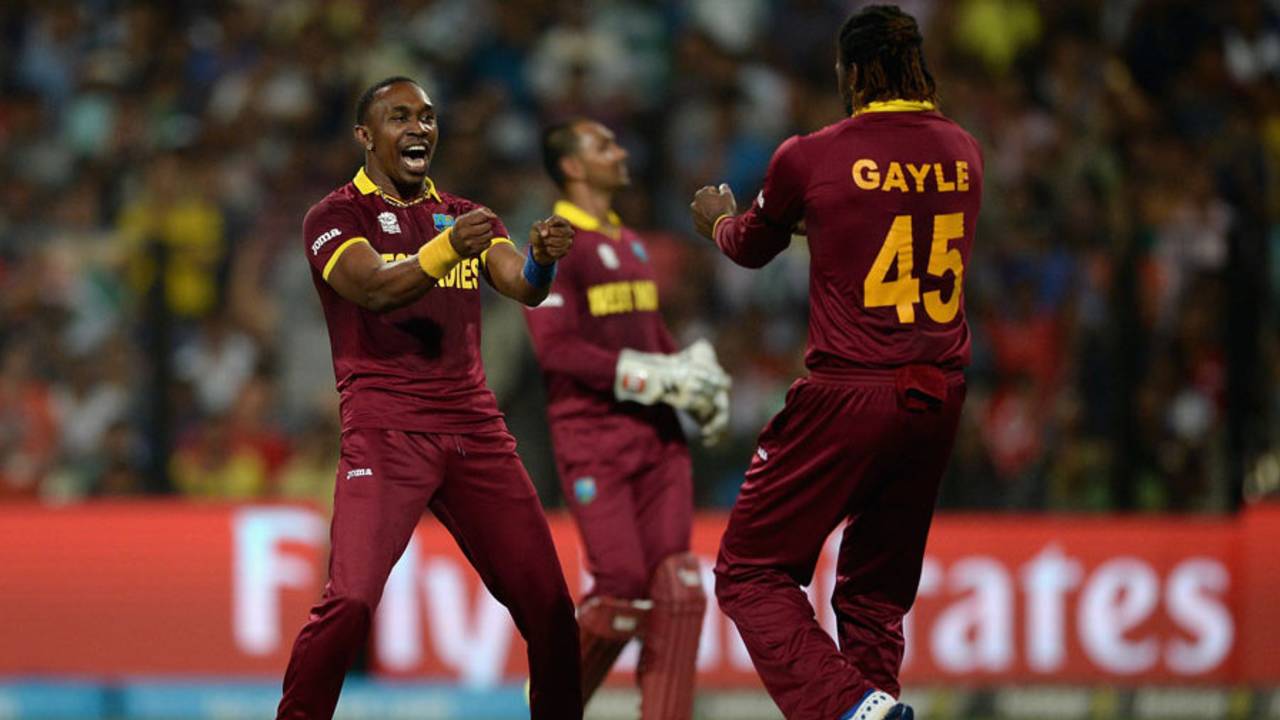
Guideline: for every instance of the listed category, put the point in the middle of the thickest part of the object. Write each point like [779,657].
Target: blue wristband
[538,276]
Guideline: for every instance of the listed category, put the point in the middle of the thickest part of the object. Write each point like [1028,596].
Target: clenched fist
[709,203]
[473,232]
[550,239]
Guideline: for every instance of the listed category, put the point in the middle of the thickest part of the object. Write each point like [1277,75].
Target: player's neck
[595,202]
[404,193]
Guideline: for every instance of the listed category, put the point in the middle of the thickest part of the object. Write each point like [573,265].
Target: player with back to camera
[889,199]
[614,379]
[398,265]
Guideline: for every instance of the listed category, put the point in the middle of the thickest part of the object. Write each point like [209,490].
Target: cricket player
[398,265]
[889,198]
[614,381]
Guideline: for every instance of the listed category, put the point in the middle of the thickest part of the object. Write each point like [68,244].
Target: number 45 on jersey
[903,292]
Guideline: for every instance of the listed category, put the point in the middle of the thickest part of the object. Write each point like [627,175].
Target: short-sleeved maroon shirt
[604,300]
[416,368]
[890,200]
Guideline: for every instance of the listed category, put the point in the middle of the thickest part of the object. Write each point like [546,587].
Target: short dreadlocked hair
[885,43]
[366,98]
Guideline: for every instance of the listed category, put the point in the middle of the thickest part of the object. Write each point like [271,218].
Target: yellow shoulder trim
[333,259]
[484,256]
[895,106]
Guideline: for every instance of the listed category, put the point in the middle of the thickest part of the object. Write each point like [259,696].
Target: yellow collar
[582,219]
[895,106]
[367,186]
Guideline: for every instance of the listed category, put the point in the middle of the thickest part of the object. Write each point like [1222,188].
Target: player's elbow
[521,291]
[533,296]
[753,262]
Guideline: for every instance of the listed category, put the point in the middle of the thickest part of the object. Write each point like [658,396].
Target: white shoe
[877,705]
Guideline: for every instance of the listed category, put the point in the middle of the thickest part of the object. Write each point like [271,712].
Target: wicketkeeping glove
[680,380]
[712,414]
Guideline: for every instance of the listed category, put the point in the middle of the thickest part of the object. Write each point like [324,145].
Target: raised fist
[709,203]
[473,232]
[550,239]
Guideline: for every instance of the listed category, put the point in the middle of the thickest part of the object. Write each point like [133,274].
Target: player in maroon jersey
[614,381]
[889,199]
[398,265]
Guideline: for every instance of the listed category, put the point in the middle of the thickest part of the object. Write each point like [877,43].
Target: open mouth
[415,157]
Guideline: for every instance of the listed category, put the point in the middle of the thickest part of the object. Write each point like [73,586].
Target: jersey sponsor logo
[390,223]
[464,276]
[584,489]
[441,221]
[360,472]
[608,257]
[622,297]
[320,241]
[637,249]
[920,178]
[760,199]
[762,454]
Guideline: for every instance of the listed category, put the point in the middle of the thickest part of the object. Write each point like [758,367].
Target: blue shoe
[876,705]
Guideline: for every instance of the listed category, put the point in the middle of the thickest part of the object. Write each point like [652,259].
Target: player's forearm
[393,285]
[519,289]
[506,273]
[749,240]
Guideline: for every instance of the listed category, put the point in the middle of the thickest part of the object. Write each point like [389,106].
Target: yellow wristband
[716,224]
[437,256]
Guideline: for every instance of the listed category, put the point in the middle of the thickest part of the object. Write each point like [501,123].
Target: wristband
[716,225]
[535,274]
[437,257]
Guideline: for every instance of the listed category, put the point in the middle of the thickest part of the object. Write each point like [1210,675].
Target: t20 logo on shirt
[390,224]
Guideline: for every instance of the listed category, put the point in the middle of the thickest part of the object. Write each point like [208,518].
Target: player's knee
[353,609]
[550,601]
[885,612]
[678,581]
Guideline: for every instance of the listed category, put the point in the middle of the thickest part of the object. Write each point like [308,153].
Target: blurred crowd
[159,332]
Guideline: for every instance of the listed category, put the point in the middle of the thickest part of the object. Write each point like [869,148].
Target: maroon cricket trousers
[478,489]
[867,446]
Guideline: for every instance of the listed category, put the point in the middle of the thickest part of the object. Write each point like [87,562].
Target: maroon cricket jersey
[604,299]
[416,368]
[890,200]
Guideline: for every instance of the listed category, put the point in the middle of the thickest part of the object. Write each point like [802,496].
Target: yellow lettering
[919,173]
[622,297]
[894,178]
[388,257]
[646,294]
[466,280]
[944,185]
[595,300]
[866,174]
[962,175]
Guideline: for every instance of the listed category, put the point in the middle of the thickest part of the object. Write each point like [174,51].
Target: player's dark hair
[559,141]
[366,98]
[885,43]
